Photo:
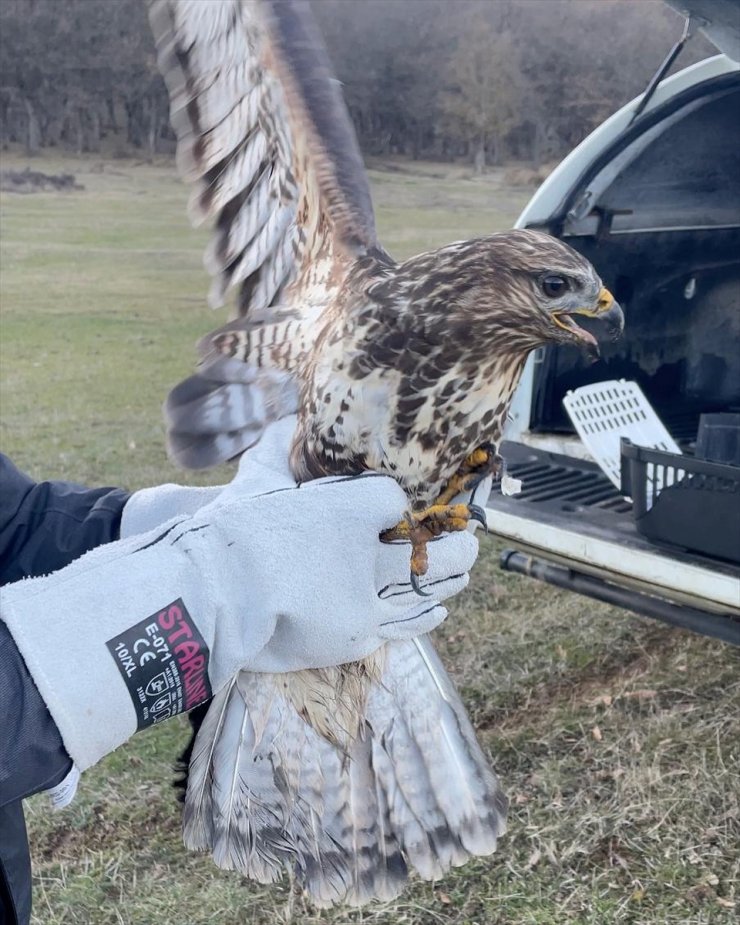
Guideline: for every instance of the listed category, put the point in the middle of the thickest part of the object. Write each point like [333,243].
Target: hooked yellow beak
[607,310]
[603,304]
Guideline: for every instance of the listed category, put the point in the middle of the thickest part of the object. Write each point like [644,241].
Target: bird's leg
[481,462]
[443,517]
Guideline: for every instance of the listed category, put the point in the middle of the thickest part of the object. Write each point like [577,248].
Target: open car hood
[719,20]
[566,202]
[655,170]
[669,168]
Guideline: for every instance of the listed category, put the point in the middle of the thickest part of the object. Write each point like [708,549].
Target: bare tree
[482,103]
[481,79]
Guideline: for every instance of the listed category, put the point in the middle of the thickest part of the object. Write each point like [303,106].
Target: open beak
[606,310]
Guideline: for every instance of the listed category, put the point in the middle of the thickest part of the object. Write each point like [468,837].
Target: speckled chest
[415,420]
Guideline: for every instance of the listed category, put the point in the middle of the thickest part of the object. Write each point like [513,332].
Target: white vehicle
[652,197]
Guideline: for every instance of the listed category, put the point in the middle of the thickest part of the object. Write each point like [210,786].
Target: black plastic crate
[719,438]
[683,501]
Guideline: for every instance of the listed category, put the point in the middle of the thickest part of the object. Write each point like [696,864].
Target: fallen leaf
[725,903]
[603,700]
[700,893]
[640,695]
[444,898]
[597,734]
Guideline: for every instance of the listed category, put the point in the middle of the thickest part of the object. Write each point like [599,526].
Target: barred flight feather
[274,794]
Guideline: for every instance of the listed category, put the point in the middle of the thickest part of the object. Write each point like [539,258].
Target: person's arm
[272,576]
[44,526]
[32,754]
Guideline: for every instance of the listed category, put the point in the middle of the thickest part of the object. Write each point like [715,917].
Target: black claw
[473,481]
[477,513]
[417,587]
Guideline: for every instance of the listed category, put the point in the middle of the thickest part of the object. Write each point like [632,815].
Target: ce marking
[147,655]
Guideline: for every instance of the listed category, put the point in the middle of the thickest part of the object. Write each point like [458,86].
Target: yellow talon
[442,517]
[421,527]
[476,466]
[435,520]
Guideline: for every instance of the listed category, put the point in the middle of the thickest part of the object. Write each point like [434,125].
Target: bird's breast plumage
[384,392]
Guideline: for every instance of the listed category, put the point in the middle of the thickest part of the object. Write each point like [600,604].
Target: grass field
[618,739]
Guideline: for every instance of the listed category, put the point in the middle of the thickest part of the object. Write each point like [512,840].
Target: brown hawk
[346,777]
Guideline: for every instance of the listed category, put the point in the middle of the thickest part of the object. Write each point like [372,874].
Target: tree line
[483,80]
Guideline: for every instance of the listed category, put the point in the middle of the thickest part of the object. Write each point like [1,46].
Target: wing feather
[245,223]
[223,184]
[264,136]
[261,253]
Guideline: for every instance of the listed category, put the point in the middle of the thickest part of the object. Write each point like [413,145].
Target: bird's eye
[554,286]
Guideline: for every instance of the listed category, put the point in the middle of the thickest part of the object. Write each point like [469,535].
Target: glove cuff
[110,641]
[147,509]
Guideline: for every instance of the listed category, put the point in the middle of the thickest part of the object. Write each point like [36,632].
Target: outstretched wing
[265,138]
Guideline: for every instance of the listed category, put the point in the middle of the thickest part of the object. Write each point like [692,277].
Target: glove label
[164,662]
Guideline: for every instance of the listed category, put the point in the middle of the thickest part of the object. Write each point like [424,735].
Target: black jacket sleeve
[43,527]
[46,525]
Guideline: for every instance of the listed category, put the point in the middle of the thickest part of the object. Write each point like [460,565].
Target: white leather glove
[150,507]
[266,465]
[141,629]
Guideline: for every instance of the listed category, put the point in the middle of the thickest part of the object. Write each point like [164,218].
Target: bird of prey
[346,777]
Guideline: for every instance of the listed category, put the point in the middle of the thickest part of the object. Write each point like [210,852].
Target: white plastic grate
[604,412]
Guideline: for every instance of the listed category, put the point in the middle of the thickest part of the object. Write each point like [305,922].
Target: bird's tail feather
[413,789]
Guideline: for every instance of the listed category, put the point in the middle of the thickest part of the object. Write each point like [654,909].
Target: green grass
[618,739]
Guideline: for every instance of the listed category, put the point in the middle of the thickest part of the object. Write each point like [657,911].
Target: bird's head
[530,289]
[563,286]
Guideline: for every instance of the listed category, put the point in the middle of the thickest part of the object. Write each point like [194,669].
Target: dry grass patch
[617,739]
